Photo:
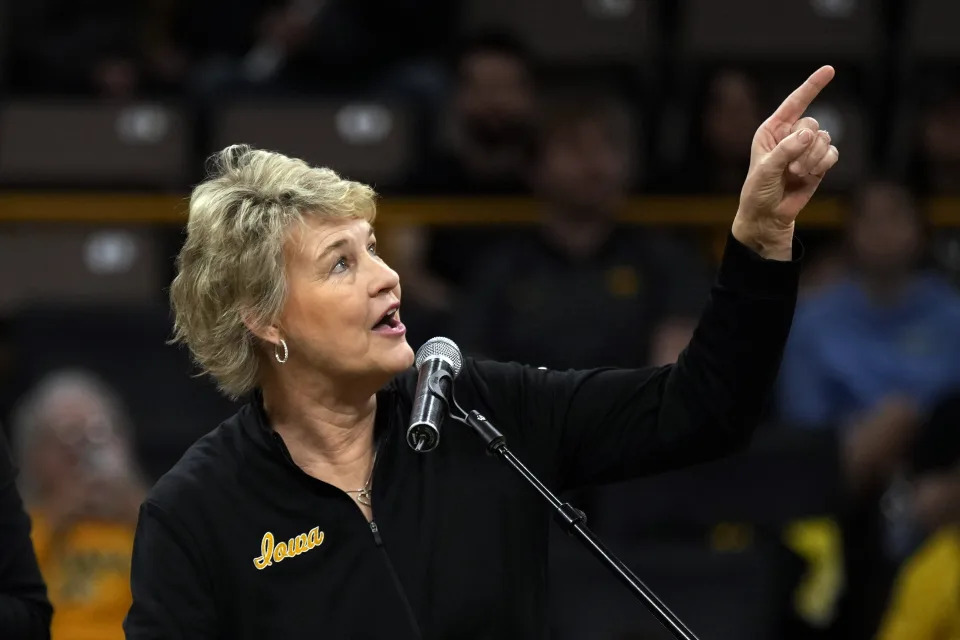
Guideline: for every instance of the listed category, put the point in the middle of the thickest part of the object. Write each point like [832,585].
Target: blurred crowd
[841,521]
[475,77]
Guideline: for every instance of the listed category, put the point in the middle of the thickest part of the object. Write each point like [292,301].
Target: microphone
[438,362]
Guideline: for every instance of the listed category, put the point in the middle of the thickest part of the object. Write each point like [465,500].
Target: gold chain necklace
[364,495]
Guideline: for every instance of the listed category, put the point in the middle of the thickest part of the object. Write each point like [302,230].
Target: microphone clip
[433,383]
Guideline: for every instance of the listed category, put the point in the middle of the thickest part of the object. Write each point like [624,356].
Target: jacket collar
[256,426]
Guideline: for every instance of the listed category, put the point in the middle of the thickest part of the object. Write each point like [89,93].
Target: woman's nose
[385,278]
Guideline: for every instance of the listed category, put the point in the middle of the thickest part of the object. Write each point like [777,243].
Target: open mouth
[390,323]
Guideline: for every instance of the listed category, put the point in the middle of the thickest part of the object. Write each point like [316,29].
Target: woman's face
[339,293]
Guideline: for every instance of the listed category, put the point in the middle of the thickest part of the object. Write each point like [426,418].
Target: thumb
[789,149]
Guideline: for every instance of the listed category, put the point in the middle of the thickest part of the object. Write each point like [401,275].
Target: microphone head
[442,348]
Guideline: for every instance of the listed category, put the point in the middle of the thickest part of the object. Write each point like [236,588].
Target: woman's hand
[789,157]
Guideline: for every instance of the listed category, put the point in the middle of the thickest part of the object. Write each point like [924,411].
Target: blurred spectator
[83,491]
[925,600]
[925,494]
[731,116]
[62,47]
[612,294]
[24,607]
[887,329]
[118,49]
[940,140]
[924,605]
[907,460]
[879,343]
[728,115]
[483,149]
[312,46]
[800,480]
[483,144]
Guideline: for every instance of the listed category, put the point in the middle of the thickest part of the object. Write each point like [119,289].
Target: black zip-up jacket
[237,542]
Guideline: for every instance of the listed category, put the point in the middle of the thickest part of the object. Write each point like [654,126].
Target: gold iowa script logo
[271,552]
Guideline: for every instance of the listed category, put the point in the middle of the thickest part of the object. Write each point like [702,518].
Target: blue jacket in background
[846,353]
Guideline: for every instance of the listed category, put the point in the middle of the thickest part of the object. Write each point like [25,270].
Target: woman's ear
[266,332]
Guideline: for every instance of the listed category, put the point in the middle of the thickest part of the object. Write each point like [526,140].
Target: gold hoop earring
[286,352]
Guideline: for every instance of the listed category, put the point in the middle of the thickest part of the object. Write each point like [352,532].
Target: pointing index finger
[797,102]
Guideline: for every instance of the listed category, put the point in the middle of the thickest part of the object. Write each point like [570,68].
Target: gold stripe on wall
[706,211]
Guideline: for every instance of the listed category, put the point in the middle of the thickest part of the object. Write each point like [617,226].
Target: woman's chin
[408,356]
[399,358]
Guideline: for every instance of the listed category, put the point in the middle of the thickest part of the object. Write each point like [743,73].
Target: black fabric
[25,611]
[461,542]
[785,474]
[527,298]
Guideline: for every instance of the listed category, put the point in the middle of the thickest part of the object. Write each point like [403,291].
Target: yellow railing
[702,211]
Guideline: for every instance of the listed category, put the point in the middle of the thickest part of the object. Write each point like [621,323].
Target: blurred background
[558,179]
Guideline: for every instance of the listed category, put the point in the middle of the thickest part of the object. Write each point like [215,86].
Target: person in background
[886,330]
[933,131]
[926,598]
[308,47]
[25,610]
[612,295]
[480,147]
[83,491]
[881,340]
[939,124]
[482,143]
[730,116]
[721,128]
[90,48]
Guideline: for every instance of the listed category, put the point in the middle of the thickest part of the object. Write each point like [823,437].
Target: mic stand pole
[573,522]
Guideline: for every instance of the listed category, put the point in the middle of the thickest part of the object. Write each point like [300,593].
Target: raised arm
[607,425]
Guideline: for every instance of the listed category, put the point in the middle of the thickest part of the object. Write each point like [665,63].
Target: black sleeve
[25,611]
[605,425]
[172,599]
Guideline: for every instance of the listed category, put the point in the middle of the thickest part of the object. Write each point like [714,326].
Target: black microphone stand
[573,522]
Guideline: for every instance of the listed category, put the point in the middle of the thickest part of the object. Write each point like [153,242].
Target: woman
[306,514]
[82,490]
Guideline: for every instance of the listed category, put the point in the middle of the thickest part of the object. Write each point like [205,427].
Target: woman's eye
[372,248]
[340,266]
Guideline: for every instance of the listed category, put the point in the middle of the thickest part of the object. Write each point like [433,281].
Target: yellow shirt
[88,578]
[926,600]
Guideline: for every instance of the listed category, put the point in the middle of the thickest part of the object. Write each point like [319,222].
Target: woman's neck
[328,434]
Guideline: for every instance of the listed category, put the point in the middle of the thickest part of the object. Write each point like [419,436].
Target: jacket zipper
[373,529]
[396,579]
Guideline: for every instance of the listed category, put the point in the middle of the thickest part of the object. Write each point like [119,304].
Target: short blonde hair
[231,266]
